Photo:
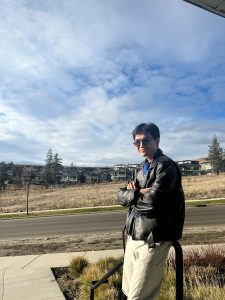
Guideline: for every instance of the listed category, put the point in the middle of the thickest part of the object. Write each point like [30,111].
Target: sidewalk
[30,277]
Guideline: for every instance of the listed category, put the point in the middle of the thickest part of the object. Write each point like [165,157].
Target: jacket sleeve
[166,181]
[127,197]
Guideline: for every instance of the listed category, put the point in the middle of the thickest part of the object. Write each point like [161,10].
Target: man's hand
[131,185]
[144,191]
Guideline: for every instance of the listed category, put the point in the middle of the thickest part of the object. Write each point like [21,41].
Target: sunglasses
[144,142]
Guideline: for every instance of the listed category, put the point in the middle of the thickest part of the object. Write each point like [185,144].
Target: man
[155,218]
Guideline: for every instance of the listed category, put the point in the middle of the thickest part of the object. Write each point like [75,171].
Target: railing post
[179,270]
[92,291]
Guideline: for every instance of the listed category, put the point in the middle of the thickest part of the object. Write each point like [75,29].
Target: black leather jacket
[160,212]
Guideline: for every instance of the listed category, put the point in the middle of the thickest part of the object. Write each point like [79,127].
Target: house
[122,175]
[205,166]
[189,167]
[98,175]
[119,167]
[72,175]
[123,172]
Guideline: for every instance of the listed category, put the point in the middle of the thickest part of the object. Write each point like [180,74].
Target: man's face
[146,145]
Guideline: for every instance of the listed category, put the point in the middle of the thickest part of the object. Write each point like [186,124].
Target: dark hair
[150,128]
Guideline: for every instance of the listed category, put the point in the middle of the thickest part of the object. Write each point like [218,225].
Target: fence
[179,273]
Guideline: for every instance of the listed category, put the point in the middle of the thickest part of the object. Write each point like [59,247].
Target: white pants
[143,269]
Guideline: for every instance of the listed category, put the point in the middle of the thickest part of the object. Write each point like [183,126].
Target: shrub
[200,283]
[105,264]
[77,265]
[204,275]
[203,256]
[96,271]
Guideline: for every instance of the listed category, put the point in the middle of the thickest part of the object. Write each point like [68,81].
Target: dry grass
[85,195]
[104,291]
[204,186]
[77,265]
[204,275]
[88,195]
[200,283]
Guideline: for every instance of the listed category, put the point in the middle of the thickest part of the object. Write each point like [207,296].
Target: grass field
[88,195]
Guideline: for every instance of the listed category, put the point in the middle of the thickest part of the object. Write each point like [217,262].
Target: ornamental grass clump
[106,264]
[75,283]
[77,265]
[109,290]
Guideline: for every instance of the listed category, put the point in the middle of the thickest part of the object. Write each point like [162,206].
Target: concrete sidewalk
[30,277]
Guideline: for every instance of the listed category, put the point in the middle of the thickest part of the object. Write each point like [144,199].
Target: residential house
[205,166]
[122,173]
[189,167]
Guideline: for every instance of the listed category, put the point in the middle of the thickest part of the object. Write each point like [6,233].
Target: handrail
[104,279]
[179,270]
[179,273]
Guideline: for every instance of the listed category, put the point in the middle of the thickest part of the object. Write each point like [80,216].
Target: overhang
[214,6]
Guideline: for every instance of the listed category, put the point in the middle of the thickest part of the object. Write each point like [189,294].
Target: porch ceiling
[214,6]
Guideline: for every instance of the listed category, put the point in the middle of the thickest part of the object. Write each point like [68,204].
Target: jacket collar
[158,154]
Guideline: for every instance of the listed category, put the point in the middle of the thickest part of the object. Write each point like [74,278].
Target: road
[96,223]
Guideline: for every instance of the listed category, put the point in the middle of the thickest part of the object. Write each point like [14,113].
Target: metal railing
[179,270]
[179,273]
[104,279]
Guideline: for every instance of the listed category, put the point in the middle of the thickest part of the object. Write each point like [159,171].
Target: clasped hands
[132,186]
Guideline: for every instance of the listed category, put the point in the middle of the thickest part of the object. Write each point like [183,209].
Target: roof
[203,161]
[214,6]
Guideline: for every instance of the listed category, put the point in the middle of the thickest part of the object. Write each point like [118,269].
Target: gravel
[79,243]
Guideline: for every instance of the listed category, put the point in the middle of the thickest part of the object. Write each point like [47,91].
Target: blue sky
[78,76]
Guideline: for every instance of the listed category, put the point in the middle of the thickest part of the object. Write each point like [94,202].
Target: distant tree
[56,169]
[223,161]
[53,167]
[47,176]
[216,155]
[3,175]
[17,178]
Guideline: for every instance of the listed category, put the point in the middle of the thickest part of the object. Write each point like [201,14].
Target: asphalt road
[96,223]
